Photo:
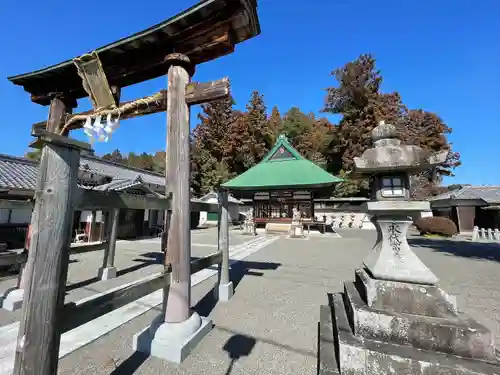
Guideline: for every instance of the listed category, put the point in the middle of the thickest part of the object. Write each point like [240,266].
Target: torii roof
[206,31]
[283,168]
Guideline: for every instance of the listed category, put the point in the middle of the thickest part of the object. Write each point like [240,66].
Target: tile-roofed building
[489,194]
[18,179]
[18,175]
[469,206]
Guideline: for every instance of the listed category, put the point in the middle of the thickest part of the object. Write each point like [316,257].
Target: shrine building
[283,180]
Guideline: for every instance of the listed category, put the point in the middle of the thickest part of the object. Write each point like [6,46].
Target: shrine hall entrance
[279,205]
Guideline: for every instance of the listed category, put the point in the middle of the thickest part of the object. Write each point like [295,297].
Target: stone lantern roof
[388,154]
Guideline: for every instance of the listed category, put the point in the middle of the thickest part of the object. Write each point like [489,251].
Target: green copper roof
[282,168]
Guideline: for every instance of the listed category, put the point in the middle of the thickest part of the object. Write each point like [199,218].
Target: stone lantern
[389,165]
[394,319]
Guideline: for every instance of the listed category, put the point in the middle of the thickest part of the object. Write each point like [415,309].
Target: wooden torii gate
[204,32]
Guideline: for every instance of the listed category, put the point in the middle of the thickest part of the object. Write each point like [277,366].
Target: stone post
[496,234]
[490,234]
[108,269]
[483,234]
[225,291]
[475,234]
[171,336]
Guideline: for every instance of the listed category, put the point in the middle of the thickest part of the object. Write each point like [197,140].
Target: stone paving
[270,325]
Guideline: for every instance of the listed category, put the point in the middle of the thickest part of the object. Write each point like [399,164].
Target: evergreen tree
[35,154]
[210,157]
[275,124]
[256,119]
[357,98]
[115,157]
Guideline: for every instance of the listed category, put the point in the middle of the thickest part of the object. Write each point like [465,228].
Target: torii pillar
[174,333]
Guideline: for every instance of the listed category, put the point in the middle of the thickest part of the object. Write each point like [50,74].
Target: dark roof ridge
[24,160]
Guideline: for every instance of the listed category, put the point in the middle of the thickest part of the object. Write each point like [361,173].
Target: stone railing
[485,234]
[347,220]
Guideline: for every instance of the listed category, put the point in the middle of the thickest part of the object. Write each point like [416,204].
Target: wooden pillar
[110,261]
[224,235]
[57,111]
[93,215]
[37,349]
[178,255]
[313,217]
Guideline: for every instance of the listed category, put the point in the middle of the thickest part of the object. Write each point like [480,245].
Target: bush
[436,225]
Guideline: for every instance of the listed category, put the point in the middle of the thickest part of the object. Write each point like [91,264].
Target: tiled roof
[118,171]
[490,194]
[21,173]
[18,173]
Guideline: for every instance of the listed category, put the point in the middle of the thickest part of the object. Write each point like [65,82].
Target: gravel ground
[270,325]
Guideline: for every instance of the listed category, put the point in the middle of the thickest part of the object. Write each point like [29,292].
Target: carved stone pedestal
[296,230]
[391,257]
[249,228]
[387,327]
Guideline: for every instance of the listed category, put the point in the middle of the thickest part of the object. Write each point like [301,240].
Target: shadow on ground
[465,249]
[237,272]
[238,345]
[156,259]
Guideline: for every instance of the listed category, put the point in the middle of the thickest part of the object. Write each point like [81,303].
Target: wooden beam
[206,262]
[11,258]
[95,199]
[87,247]
[110,251]
[77,314]
[45,136]
[196,93]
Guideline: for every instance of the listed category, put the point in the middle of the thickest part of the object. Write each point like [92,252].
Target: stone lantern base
[386,327]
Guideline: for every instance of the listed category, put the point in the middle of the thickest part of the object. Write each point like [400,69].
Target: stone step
[364,356]
[458,335]
[278,227]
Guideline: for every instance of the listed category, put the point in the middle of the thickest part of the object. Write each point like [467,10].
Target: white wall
[203,218]
[17,216]
[21,216]
[86,217]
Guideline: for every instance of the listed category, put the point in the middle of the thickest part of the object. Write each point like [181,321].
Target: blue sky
[441,55]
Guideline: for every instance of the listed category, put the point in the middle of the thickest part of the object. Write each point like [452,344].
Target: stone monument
[296,229]
[394,319]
